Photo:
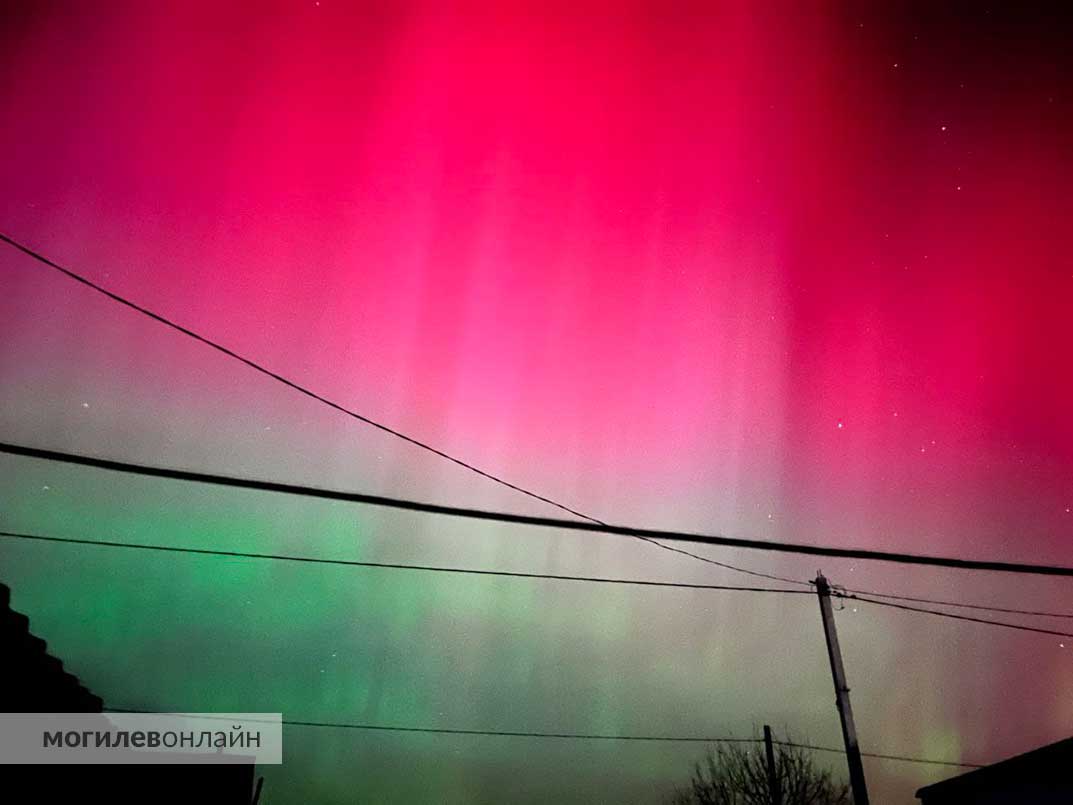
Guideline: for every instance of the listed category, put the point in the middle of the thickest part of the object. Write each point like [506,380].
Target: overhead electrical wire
[599,737]
[531,520]
[952,615]
[392,565]
[499,573]
[961,604]
[354,414]
[572,736]
[418,443]
[878,756]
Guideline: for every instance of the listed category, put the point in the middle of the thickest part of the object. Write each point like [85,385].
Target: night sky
[795,271]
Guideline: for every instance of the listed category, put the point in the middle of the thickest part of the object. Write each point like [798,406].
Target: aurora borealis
[793,271]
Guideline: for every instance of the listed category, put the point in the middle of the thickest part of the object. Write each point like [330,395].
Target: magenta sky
[786,272]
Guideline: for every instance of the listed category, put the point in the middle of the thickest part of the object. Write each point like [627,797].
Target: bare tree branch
[736,774]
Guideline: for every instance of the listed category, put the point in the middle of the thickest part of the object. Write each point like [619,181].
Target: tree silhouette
[736,774]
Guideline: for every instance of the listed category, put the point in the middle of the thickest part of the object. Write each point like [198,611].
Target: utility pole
[845,712]
[773,783]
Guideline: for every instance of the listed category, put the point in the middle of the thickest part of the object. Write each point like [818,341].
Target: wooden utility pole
[845,712]
[773,784]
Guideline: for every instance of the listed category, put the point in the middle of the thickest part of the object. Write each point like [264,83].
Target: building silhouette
[1040,777]
[33,681]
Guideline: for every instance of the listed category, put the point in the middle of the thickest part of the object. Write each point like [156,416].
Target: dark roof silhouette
[1041,776]
[33,681]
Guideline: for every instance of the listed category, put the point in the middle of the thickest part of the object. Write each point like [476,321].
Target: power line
[351,413]
[531,520]
[961,605]
[599,737]
[320,398]
[1018,626]
[392,565]
[500,573]
[881,756]
[757,573]
[576,736]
